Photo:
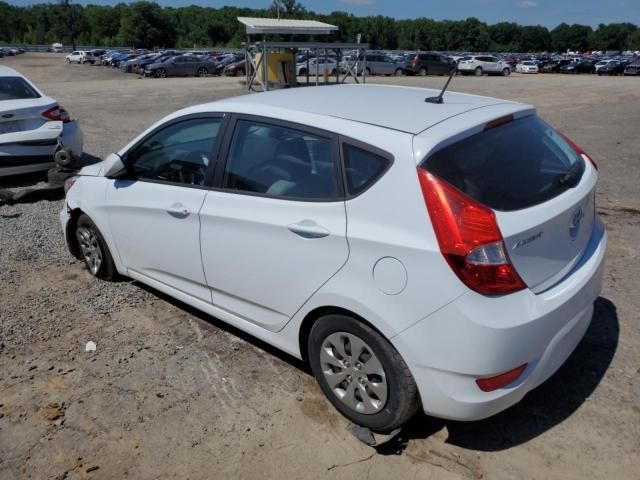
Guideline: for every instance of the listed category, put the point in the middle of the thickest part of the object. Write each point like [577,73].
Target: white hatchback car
[446,260]
[32,126]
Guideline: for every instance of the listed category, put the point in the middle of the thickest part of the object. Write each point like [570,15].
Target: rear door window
[278,161]
[513,166]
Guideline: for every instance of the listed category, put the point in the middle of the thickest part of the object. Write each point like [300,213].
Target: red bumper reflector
[493,383]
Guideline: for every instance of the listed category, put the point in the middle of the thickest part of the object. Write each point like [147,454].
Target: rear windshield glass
[513,166]
[15,88]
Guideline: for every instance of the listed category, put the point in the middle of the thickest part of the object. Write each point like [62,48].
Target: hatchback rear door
[275,229]
[539,186]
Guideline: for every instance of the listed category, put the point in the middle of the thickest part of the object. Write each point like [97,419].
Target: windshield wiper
[571,177]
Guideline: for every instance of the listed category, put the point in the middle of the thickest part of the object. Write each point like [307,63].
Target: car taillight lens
[578,150]
[469,238]
[494,383]
[57,113]
[415,60]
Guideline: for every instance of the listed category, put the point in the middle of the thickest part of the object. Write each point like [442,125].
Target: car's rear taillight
[57,113]
[469,238]
[578,150]
[414,61]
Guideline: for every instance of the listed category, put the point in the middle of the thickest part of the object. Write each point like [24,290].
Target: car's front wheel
[93,249]
[399,72]
[361,373]
[203,72]
[161,73]
[506,72]
[478,72]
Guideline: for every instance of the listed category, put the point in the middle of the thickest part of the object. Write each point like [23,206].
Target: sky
[549,13]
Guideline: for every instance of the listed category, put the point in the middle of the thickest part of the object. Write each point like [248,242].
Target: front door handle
[308,229]
[178,210]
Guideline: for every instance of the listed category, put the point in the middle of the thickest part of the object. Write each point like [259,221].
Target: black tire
[399,72]
[478,72]
[423,72]
[107,269]
[240,72]
[368,71]
[203,72]
[161,73]
[402,398]
[303,72]
[506,72]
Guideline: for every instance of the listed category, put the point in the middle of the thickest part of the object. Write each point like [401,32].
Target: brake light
[498,121]
[415,61]
[578,149]
[469,238]
[494,383]
[57,113]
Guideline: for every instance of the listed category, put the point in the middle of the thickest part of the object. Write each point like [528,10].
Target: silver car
[381,64]
[478,65]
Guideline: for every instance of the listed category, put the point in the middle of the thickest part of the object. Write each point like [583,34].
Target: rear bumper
[477,336]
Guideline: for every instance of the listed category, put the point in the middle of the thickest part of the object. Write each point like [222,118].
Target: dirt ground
[172,393]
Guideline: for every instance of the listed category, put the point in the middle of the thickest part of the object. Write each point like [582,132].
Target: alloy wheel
[354,373]
[90,248]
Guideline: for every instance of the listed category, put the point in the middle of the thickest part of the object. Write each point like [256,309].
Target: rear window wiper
[571,177]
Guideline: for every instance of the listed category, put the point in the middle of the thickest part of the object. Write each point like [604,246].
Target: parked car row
[11,51]
[166,63]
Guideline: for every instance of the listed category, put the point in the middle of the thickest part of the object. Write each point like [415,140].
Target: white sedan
[527,67]
[32,126]
[423,261]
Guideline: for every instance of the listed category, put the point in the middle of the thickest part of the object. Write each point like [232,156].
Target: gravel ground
[173,393]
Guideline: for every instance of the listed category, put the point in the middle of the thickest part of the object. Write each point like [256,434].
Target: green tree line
[147,24]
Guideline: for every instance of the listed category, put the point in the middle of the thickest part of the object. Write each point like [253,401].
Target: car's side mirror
[114,166]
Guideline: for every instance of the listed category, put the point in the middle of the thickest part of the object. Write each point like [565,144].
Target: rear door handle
[178,210]
[308,229]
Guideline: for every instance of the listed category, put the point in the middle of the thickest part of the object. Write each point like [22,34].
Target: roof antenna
[438,100]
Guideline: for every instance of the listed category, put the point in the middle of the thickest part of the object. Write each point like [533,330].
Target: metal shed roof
[265,26]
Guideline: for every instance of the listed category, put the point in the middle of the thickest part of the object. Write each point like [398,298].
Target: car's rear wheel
[506,72]
[423,72]
[93,249]
[361,373]
[478,72]
[368,71]
[203,72]
[161,73]
[302,72]
[399,72]
[240,72]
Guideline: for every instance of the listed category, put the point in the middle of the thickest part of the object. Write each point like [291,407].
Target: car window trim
[219,175]
[214,154]
[344,140]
